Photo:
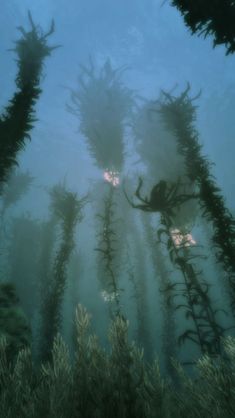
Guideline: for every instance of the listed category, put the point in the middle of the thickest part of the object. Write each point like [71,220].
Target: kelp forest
[117,277]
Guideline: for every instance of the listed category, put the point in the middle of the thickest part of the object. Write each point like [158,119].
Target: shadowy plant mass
[18,118]
[102,104]
[210,17]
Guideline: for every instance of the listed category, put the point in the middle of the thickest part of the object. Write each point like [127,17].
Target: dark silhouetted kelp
[210,17]
[106,247]
[68,209]
[18,117]
[179,116]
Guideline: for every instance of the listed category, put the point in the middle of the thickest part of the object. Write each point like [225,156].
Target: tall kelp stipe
[166,289]
[141,282]
[103,104]
[157,148]
[68,209]
[107,245]
[136,280]
[18,118]
[179,115]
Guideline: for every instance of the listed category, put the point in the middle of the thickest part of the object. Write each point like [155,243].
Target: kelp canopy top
[102,103]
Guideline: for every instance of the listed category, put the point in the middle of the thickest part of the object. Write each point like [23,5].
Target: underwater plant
[107,249]
[68,209]
[18,118]
[179,114]
[168,305]
[157,148]
[207,332]
[115,383]
[210,17]
[102,103]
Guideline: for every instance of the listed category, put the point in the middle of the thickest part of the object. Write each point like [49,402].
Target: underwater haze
[117,209]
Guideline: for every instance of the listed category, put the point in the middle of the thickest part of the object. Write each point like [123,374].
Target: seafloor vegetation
[150,270]
[115,383]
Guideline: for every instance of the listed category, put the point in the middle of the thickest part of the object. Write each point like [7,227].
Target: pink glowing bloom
[111,177]
[182,240]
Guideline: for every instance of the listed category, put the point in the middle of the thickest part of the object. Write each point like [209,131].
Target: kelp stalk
[18,117]
[67,208]
[179,114]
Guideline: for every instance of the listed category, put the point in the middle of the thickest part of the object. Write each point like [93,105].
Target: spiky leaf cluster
[210,17]
[65,204]
[102,103]
[31,51]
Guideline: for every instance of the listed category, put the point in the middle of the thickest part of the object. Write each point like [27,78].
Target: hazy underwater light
[117,209]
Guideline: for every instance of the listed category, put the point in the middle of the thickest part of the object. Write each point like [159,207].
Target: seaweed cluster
[117,384]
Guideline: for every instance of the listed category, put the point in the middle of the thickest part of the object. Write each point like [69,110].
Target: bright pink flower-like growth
[111,177]
[182,240]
